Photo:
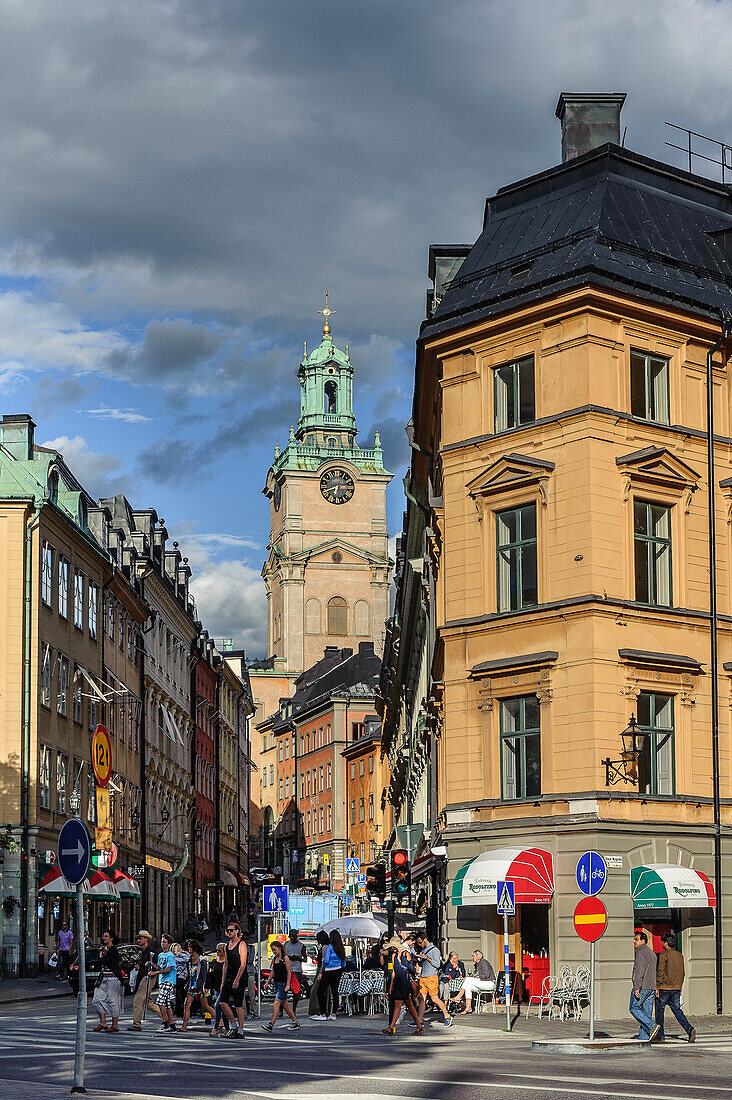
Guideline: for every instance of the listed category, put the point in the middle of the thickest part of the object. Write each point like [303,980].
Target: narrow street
[339,1060]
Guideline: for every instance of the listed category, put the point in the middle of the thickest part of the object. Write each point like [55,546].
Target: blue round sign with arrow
[74,851]
[591,873]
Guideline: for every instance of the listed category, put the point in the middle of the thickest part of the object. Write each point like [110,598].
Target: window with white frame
[62,686]
[652,538]
[63,587]
[361,811]
[44,777]
[110,618]
[91,713]
[45,674]
[328,775]
[649,387]
[79,600]
[93,608]
[371,807]
[320,778]
[329,809]
[514,394]
[362,851]
[47,574]
[320,819]
[360,766]
[62,776]
[371,765]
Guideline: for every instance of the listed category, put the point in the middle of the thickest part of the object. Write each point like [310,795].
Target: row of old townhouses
[98,626]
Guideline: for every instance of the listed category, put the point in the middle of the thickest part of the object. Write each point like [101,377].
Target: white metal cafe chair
[543,997]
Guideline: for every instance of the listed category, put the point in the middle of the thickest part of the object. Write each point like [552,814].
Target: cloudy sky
[179,182]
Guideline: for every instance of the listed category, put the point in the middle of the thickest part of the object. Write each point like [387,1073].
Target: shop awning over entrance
[668,886]
[531,869]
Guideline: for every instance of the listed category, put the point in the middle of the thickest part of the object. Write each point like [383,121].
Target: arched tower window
[331,393]
[337,616]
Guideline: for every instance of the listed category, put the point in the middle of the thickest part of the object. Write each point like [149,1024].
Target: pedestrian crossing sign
[353,865]
[505,898]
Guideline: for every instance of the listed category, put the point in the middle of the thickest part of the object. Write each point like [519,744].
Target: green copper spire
[326,393]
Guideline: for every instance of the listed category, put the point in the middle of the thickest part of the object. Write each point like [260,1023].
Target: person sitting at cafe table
[451,971]
[482,980]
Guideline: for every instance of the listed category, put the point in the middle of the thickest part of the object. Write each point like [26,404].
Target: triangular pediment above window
[511,471]
[657,464]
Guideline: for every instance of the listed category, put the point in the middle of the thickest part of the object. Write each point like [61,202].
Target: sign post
[259,964]
[506,903]
[74,856]
[590,921]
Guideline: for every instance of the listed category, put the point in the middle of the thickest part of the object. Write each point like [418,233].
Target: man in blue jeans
[643,993]
[670,979]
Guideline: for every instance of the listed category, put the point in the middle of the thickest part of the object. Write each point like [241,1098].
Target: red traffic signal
[401,876]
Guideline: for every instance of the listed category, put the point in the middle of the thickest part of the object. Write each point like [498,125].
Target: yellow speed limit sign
[101,754]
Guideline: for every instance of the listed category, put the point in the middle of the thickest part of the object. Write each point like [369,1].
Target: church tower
[327,571]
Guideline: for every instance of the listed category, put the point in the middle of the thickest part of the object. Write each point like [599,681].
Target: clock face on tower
[337,486]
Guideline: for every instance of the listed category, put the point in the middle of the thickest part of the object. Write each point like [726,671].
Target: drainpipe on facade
[25,807]
[726,326]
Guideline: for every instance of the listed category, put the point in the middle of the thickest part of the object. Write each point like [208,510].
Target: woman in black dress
[400,988]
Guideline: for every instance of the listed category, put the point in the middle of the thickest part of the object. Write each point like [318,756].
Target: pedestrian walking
[165,970]
[430,961]
[251,918]
[213,986]
[643,993]
[334,960]
[322,941]
[64,944]
[108,990]
[280,977]
[218,922]
[182,971]
[145,983]
[197,972]
[234,982]
[669,980]
[296,953]
[400,986]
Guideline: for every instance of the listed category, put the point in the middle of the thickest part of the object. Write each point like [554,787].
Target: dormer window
[53,487]
[649,387]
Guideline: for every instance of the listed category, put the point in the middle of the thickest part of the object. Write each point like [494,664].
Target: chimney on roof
[589,119]
[16,435]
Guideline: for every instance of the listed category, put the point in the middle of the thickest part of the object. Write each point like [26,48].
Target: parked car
[129,954]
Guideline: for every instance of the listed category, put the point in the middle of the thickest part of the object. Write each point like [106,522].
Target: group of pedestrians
[657,984]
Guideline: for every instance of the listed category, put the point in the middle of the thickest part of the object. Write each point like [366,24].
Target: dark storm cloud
[169,351]
[238,158]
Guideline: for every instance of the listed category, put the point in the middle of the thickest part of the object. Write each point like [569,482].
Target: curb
[48,996]
[587,1046]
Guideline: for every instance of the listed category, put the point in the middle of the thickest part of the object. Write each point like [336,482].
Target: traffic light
[401,877]
[376,880]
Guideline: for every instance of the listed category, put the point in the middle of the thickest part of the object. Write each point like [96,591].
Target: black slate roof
[610,218]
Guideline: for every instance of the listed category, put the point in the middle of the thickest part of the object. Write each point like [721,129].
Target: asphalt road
[340,1061]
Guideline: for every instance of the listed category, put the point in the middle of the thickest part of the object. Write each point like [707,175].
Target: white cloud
[98,473]
[232,603]
[105,412]
[38,335]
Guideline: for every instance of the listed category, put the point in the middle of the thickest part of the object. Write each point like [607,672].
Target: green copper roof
[326,352]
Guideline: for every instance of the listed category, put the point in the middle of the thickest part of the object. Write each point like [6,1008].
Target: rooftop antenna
[723,151]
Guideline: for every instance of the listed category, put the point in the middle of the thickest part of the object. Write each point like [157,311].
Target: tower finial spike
[326,313]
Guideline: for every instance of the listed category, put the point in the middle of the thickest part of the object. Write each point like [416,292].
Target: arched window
[337,616]
[361,618]
[53,487]
[331,393]
[312,617]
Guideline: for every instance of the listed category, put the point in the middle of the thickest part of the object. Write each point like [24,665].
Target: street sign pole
[592,991]
[259,964]
[507,971]
[80,1049]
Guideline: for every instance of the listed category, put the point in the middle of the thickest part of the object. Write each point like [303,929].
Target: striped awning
[228,878]
[669,886]
[530,869]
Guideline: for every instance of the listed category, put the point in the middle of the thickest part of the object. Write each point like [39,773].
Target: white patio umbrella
[357,926]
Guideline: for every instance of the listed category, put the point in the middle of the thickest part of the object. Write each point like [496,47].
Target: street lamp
[230,828]
[626,769]
[75,801]
[165,815]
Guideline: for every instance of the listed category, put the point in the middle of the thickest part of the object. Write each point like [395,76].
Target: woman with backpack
[334,959]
